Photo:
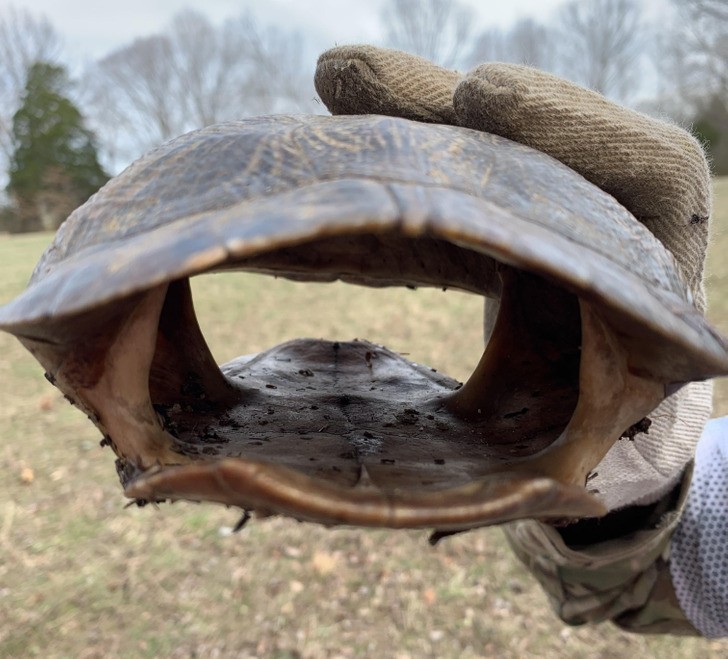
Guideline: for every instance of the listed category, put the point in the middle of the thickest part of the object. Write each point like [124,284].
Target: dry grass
[82,577]
[718,280]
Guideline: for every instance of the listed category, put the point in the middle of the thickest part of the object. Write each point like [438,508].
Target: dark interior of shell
[350,432]
[337,432]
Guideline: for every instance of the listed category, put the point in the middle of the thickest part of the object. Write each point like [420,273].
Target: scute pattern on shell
[226,164]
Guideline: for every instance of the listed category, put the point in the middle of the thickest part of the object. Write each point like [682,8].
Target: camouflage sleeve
[622,577]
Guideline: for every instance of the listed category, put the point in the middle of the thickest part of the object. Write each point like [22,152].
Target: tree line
[55,131]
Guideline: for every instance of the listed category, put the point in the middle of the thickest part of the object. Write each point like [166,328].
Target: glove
[660,174]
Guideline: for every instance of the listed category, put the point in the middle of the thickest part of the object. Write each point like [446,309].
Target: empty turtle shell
[595,326]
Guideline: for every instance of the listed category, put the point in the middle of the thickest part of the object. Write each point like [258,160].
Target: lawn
[81,576]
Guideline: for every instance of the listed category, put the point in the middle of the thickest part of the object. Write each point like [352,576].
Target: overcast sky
[92,28]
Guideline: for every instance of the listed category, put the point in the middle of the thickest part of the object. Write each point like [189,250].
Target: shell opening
[350,432]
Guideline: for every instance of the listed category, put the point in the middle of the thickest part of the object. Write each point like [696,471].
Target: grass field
[80,576]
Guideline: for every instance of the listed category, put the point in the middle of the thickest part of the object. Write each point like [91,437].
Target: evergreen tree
[710,126]
[54,166]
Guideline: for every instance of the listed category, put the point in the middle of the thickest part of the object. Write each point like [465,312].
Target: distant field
[80,576]
[718,279]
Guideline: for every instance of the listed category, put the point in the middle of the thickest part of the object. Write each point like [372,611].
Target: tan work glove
[659,173]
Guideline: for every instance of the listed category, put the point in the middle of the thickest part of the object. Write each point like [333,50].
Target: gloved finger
[656,170]
[371,80]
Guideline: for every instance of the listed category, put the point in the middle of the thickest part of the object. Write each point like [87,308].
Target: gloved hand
[658,172]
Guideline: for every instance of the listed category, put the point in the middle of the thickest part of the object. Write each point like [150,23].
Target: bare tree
[240,68]
[204,61]
[601,44]
[527,42]
[438,30]
[713,10]
[533,44]
[693,62]
[24,39]
[488,46]
[279,79]
[194,74]
[700,51]
[134,91]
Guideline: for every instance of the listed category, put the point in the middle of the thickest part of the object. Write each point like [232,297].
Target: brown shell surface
[237,190]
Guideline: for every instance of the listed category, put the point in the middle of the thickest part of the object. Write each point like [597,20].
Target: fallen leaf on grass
[324,562]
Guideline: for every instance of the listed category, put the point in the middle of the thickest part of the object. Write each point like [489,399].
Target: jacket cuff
[624,579]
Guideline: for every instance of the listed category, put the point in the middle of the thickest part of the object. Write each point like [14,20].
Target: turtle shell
[590,302]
